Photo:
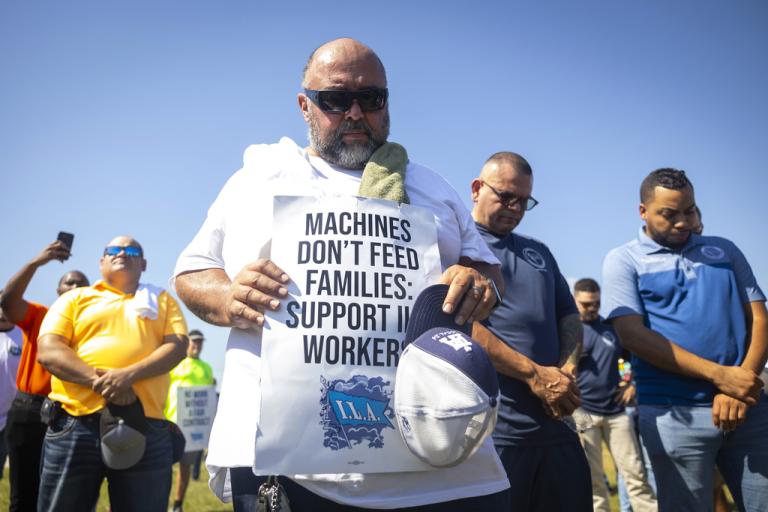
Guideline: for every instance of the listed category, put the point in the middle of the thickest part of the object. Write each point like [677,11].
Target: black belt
[53,410]
[29,398]
[94,417]
[26,408]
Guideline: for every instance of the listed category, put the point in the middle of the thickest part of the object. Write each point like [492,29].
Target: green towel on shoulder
[384,174]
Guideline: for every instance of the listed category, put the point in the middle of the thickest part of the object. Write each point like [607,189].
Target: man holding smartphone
[25,431]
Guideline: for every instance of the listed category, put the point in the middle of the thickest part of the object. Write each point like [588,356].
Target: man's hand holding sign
[239,302]
[474,286]
[258,286]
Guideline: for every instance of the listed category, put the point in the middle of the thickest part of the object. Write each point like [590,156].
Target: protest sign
[330,353]
[194,415]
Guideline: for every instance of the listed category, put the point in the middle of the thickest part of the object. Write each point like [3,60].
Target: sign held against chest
[330,353]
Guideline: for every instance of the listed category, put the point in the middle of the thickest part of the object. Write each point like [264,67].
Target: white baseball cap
[446,389]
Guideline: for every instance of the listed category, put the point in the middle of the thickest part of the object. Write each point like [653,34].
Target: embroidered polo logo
[533,257]
[712,252]
[609,339]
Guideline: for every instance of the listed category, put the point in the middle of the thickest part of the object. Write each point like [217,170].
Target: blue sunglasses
[129,250]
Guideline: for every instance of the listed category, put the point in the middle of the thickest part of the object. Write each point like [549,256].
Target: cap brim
[122,447]
[427,313]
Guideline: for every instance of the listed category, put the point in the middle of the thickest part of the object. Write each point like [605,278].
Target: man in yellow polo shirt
[106,344]
[192,371]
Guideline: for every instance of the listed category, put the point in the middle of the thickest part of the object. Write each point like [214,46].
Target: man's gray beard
[337,152]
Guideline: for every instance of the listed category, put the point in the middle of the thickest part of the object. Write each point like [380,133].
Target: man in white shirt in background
[11,343]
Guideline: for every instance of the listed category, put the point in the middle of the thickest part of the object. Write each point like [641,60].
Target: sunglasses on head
[129,250]
[369,100]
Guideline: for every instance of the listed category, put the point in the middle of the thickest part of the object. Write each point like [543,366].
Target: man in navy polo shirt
[533,339]
[604,399]
[690,310]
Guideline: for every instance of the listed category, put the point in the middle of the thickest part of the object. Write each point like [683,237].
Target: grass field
[201,499]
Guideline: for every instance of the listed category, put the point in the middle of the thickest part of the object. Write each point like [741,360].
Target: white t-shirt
[11,343]
[237,231]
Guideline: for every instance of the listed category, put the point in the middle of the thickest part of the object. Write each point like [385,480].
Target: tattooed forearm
[570,331]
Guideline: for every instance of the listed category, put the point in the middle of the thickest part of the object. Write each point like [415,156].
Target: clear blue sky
[127,117]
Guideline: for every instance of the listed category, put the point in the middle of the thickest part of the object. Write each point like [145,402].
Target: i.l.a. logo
[355,411]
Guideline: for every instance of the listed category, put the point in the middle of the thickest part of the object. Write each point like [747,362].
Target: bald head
[125,241]
[506,158]
[343,53]
[121,270]
[502,192]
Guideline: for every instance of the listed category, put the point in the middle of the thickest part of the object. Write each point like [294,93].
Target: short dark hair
[586,284]
[666,177]
[78,273]
[196,333]
[517,162]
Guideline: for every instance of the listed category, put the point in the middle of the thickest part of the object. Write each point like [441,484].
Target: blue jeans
[72,469]
[684,447]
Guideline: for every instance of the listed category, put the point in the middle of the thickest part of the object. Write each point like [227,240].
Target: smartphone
[49,411]
[66,239]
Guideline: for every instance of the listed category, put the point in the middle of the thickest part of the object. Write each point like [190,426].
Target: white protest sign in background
[330,354]
[195,410]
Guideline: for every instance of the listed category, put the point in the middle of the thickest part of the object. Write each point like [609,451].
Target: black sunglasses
[114,250]
[369,100]
[508,199]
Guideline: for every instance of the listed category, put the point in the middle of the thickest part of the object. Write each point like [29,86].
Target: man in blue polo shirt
[533,339]
[604,399]
[690,310]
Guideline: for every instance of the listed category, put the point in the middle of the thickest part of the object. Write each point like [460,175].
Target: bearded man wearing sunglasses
[110,344]
[225,276]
